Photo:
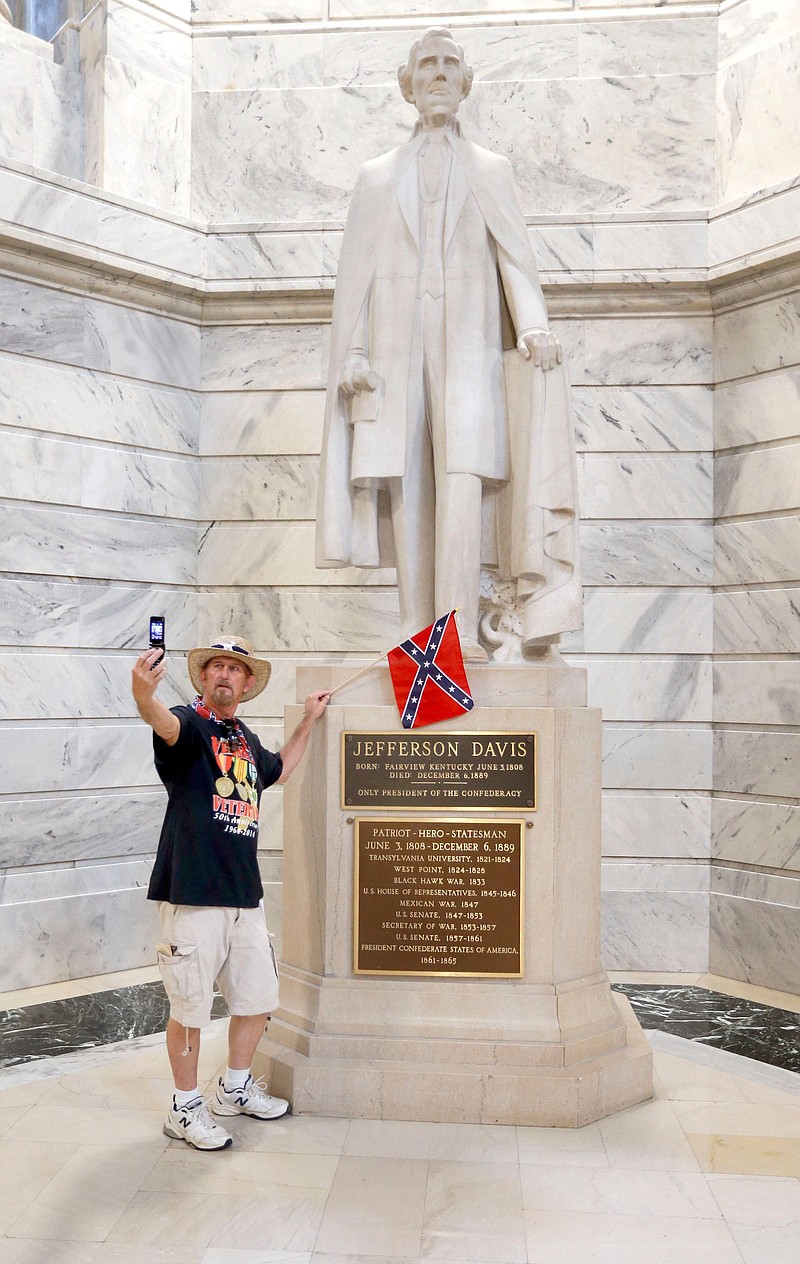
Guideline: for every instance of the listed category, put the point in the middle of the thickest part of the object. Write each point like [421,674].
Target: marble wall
[755,879]
[173,181]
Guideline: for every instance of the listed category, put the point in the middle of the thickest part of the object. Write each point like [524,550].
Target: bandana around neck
[206,713]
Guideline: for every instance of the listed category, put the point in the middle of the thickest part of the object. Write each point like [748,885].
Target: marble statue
[5,13]
[448,447]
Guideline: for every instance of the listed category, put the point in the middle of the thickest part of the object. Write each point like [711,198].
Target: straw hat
[230,647]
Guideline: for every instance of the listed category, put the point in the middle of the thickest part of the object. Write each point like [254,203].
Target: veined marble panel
[243,63]
[79,686]
[565,164]
[39,943]
[146,137]
[353,620]
[663,621]
[563,248]
[41,322]
[643,418]
[260,422]
[274,553]
[769,887]
[646,351]
[422,8]
[763,691]
[286,156]
[44,830]
[37,469]
[151,238]
[655,556]
[77,757]
[669,244]
[136,482]
[258,487]
[222,11]
[329,621]
[762,621]
[601,144]
[143,40]
[758,410]
[516,53]
[95,546]
[769,223]
[277,619]
[655,930]
[765,551]
[749,107]
[657,825]
[142,345]
[649,689]
[65,400]
[262,255]
[635,875]
[38,613]
[58,119]
[757,482]
[116,617]
[753,26]
[266,357]
[61,883]
[656,758]
[635,486]
[18,77]
[654,47]
[754,941]
[753,761]
[40,204]
[758,338]
[756,833]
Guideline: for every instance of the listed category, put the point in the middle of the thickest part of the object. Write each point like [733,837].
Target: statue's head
[436,78]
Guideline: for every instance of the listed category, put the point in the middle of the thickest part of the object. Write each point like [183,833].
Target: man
[436,275]
[206,877]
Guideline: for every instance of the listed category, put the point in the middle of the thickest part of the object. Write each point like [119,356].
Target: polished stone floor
[707,1172]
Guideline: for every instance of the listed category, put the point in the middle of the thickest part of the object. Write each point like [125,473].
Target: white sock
[185,1095]
[235,1078]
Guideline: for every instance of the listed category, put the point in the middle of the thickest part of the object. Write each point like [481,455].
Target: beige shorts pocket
[179,966]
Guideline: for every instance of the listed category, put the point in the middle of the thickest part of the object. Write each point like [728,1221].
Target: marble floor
[709,1170]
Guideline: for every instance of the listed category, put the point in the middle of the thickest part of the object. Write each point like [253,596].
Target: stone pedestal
[555,1047]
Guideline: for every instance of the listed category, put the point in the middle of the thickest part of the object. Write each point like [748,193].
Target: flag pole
[362,671]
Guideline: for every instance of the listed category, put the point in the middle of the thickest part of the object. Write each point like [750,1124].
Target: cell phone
[157,628]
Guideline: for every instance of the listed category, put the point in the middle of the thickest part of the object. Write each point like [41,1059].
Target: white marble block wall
[41,120]
[755,890]
[136,61]
[99,489]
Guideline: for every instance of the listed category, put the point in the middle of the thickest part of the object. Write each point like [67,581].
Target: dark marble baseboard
[748,1028]
[86,1022]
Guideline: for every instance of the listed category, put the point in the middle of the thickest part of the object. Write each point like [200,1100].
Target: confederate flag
[428,675]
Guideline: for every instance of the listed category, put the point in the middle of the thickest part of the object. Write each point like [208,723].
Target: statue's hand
[542,347]
[356,375]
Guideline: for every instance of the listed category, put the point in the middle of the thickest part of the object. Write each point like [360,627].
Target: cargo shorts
[230,946]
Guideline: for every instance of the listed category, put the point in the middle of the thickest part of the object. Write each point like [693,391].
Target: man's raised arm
[293,751]
[145,681]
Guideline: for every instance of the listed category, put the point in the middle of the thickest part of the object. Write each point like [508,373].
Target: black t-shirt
[214,775]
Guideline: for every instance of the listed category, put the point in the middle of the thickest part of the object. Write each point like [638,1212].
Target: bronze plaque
[444,770]
[439,897]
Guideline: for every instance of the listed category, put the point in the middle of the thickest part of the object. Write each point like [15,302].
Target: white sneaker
[253,1100]
[194,1125]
